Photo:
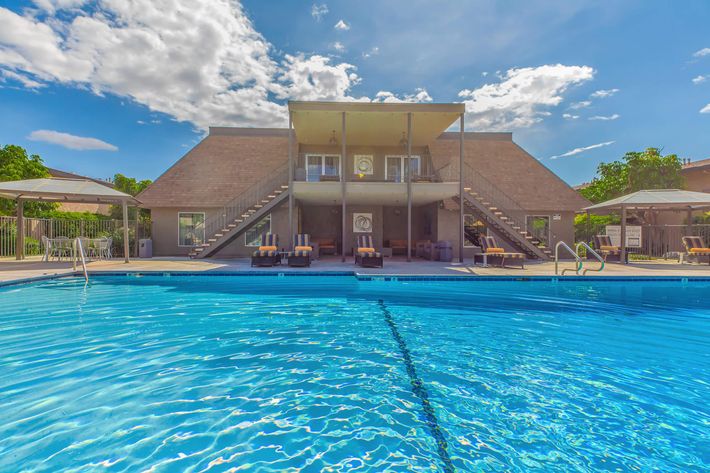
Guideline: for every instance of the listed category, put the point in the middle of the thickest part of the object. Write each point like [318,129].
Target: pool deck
[34,268]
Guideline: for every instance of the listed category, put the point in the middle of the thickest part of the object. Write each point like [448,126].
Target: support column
[125,232]
[343,173]
[409,186]
[622,243]
[461,156]
[20,230]
[290,177]
[690,220]
[589,235]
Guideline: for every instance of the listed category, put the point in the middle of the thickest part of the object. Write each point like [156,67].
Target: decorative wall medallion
[364,164]
[362,223]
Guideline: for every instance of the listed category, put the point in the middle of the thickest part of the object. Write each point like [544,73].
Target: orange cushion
[609,248]
[268,248]
[494,249]
[304,248]
[700,250]
[365,250]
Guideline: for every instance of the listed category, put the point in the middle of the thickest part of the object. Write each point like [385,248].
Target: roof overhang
[373,193]
[64,190]
[371,124]
[656,199]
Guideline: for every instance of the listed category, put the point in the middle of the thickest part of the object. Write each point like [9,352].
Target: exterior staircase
[501,213]
[243,212]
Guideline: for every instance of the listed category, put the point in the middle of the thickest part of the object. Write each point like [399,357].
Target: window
[321,165]
[191,228]
[397,167]
[252,237]
[473,229]
[539,227]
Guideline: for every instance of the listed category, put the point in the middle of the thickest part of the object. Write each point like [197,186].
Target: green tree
[635,171]
[131,186]
[15,165]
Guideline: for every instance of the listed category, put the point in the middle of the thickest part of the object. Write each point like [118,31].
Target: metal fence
[36,228]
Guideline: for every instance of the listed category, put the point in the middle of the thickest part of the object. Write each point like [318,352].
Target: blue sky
[130,85]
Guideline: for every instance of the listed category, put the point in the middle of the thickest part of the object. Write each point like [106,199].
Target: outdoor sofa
[268,253]
[696,249]
[497,256]
[365,254]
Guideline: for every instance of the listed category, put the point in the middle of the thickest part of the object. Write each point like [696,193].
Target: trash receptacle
[145,248]
[445,250]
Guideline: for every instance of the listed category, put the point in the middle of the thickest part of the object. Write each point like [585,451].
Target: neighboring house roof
[230,160]
[222,166]
[70,175]
[510,168]
[694,165]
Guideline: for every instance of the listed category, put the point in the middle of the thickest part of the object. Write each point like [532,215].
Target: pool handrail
[77,244]
[594,253]
[577,259]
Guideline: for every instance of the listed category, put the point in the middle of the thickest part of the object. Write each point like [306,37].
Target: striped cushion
[603,240]
[370,254]
[495,249]
[301,239]
[265,253]
[304,248]
[299,253]
[692,242]
[701,251]
[488,242]
[269,239]
[365,241]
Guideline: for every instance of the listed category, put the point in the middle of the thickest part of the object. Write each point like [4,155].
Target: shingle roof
[696,164]
[223,165]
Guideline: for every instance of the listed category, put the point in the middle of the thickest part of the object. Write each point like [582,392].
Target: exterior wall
[697,180]
[279,225]
[164,223]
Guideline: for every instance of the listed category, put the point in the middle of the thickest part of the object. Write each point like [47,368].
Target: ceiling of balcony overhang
[371,124]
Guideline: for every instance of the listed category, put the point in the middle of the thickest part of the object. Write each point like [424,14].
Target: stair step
[211,240]
[258,206]
[271,196]
[285,186]
[468,189]
[218,235]
[233,225]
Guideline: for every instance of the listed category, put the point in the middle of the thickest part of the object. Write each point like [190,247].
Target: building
[697,175]
[401,181]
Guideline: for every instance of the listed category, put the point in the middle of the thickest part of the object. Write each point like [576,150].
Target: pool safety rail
[78,246]
[578,262]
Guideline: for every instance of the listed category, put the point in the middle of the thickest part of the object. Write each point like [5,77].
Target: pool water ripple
[211,374]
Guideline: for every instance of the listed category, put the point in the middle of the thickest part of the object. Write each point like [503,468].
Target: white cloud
[484,73]
[705,109]
[338,46]
[67,140]
[579,105]
[582,150]
[522,96]
[605,118]
[27,82]
[604,93]
[569,116]
[700,79]
[319,11]
[374,51]
[341,25]
[314,78]
[702,52]
[420,95]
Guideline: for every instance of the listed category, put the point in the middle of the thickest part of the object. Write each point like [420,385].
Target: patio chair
[696,249]
[611,253]
[302,251]
[61,247]
[268,253]
[365,255]
[496,255]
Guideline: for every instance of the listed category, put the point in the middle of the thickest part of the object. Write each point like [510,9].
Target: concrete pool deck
[31,268]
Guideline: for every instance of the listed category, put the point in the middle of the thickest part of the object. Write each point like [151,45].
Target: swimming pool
[333,373]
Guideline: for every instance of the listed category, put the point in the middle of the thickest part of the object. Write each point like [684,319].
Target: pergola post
[125,231]
[409,186]
[343,173]
[20,230]
[622,243]
[461,156]
[290,177]
[690,220]
[590,237]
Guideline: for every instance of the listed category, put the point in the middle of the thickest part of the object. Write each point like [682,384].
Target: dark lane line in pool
[420,391]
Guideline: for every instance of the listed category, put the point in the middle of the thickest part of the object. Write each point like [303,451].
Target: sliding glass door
[397,167]
[318,165]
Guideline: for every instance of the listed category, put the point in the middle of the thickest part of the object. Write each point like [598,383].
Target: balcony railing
[332,173]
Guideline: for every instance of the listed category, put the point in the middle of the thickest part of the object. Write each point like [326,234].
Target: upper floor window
[191,228]
[318,165]
[397,167]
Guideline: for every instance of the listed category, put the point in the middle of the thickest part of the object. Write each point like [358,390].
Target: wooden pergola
[63,190]
[652,199]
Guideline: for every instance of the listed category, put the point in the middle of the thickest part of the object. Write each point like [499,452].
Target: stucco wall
[165,229]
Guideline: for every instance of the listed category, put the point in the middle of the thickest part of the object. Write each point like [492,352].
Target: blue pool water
[213,374]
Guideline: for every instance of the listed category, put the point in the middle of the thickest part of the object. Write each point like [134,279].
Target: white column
[125,231]
[461,163]
[290,177]
[343,173]
[409,186]
[20,230]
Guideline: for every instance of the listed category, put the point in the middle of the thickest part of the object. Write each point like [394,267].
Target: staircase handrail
[246,200]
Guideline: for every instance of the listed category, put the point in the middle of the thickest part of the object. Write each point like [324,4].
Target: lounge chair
[696,249]
[496,255]
[268,253]
[365,254]
[302,250]
[611,253]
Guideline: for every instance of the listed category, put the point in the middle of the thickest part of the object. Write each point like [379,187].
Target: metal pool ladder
[80,247]
[594,253]
[577,259]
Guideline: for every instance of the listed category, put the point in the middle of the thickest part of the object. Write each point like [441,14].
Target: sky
[129,86]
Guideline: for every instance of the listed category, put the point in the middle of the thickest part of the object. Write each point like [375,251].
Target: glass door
[318,165]
[398,167]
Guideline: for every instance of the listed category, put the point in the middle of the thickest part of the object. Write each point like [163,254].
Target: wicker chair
[365,254]
[268,253]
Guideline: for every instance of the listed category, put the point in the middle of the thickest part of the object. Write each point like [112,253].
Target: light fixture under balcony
[333,140]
